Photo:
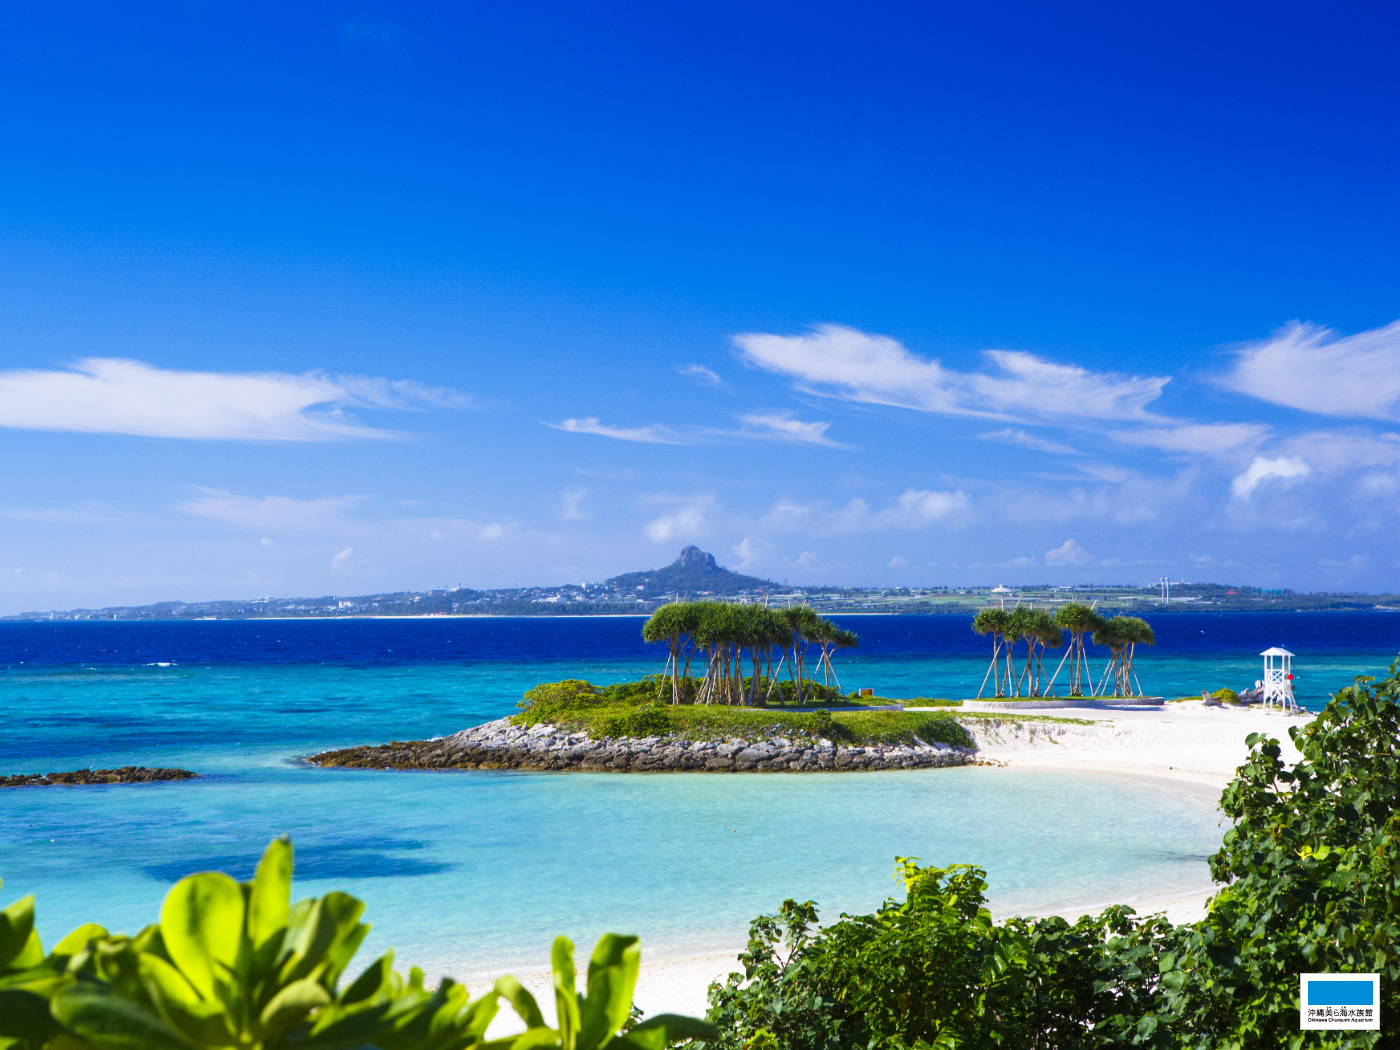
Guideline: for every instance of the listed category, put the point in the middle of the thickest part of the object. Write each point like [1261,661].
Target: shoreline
[1184,747]
[544,747]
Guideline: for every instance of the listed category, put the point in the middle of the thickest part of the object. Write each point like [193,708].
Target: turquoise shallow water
[465,872]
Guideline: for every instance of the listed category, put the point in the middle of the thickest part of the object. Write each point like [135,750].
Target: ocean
[473,872]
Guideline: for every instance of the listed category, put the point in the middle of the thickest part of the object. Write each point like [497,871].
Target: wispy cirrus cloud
[113,396]
[275,515]
[1016,436]
[836,361]
[654,434]
[913,509]
[779,426]
[1313,368]
[700,374]
[1212,439]
[770,426]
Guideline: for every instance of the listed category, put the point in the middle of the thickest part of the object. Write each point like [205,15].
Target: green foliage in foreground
[237,965]
[1311,877]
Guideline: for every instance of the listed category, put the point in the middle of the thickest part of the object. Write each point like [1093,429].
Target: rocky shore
[501,745]
[124,775]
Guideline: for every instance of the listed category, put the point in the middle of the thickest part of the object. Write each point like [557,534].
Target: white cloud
[571,504]
[770,426]
[275,515]
[914,509]
[1356,562]
[1068,553]
[807,558]
[688,519]
[341,561]
[700,374]
[787,516]
[649,435]
[1263,469]
[1313,368]
[1215,439]
[1012,436]
[842,362]
[898,561]
[745,552]
[782,427]
[112,396]
[1335,451]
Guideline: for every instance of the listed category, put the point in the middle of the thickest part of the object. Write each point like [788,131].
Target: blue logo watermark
[1340,1001]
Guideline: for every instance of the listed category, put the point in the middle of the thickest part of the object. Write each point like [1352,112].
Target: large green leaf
[612,978]
[203,1022]
[269,899]
[108,1022]
[324,940]
[290,1007]
[376,980]
[201,923]
[79,939]
[16,932]
[345,911]
[565,992]
[521,1001]
[678,1027]
[25,1015]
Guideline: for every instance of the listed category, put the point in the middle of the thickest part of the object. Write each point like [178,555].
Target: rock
[501,745]
[124,775]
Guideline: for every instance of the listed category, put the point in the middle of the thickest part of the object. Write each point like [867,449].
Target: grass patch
[718,723]
[1017,716]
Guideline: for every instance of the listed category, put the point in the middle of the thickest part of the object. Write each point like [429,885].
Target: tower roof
[1275,651]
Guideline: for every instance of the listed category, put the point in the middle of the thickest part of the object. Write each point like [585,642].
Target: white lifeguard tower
[1278,680]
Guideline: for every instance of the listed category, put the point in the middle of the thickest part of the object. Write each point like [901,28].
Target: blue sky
[337,298]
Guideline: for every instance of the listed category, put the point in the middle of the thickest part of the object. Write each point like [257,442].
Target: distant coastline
[137,616]
[695,575]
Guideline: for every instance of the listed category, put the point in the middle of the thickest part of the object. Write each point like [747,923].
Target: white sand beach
[1183,746]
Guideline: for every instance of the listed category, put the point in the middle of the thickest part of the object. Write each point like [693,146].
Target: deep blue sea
[466,872]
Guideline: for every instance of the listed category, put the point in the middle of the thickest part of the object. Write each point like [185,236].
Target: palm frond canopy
[1077,618]
[991,621]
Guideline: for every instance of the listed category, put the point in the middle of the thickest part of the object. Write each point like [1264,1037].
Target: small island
[124,775]
[702,713]
[788,713]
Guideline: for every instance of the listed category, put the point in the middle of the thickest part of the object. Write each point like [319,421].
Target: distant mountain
[693,573]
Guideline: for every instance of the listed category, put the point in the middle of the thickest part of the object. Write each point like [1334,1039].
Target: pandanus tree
[829,637]
[1021,627]
[728,634]
[670,624]
[805,624]
[993,622]
[1134,631]
[1121,636]
[1078,619]
[1043,633]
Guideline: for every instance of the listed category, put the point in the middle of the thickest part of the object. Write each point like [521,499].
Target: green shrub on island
[237,965]
[631,710]
[642,721]
[1226,696]
[1310,876]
